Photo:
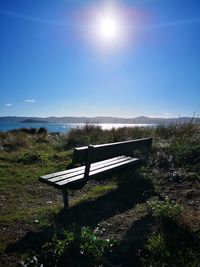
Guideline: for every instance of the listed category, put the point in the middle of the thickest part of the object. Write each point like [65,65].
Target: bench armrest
[88,161]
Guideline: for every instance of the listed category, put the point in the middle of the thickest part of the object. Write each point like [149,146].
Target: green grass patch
[95,192]
[100,190]
[41,215]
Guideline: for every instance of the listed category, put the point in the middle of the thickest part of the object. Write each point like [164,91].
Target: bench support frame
[65,198]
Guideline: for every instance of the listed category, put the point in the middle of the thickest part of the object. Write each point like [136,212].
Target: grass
[42,216]
[174,243]
[19,172]
[165,229]
[95,192]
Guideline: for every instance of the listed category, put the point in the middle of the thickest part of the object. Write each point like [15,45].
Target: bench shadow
[128,252]
[133,188]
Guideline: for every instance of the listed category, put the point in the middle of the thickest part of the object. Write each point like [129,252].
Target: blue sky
[52,65]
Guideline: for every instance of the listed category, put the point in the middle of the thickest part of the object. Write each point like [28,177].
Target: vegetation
[174,243]
[77,247]
[149,217]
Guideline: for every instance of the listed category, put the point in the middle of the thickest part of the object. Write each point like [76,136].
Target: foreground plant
[79,247]
[173,243]
[166,209]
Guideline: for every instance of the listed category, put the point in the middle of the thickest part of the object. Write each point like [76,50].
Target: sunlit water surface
[64,127]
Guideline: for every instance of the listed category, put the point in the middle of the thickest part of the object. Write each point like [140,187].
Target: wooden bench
[98,161]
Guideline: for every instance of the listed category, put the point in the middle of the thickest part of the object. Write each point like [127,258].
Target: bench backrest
[95,153]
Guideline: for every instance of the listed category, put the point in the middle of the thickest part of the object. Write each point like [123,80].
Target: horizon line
[114,117]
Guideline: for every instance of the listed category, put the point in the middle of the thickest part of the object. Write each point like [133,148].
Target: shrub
[156,244]
[28,158]
[94,134]
[163,160]
[14,141]
[89,134]
[42,130]
[24,130]
[173,243]
[166,209]
[79,247]
[173,249]
[186,153]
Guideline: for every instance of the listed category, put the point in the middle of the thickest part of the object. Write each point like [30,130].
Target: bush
[42,130]
[166,209]
[13,141]
[89,134]
[186,153]
[156,244]
[24,130]
[173,249]
[28,158]
[79,247]
[94,134]
[173,243]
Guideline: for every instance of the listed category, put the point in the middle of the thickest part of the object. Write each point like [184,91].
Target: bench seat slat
[96,172]
[55,174]
[114,166]
[64,182]
[77,169]
[92,168]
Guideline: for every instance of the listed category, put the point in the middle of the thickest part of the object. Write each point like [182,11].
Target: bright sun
[108,29]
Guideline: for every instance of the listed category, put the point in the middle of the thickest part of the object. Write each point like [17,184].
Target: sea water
[63,127]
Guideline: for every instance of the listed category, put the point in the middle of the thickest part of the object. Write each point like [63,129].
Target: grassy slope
[32,212]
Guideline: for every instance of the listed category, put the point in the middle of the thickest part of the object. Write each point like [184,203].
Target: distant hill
[136,120]
[33,121]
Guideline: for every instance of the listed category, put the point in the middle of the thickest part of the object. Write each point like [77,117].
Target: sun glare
[108,28]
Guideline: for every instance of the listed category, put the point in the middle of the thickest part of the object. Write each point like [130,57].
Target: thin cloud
[170,23]
[29,100]
[67,24]
[35,19]
[8,105]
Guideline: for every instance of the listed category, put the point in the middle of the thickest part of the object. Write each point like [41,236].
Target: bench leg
[65,199]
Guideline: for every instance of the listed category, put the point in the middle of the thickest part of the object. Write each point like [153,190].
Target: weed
[186,153]
[157,244]
[79,247]
[166,209]
[42,130]
[28,158]
[174,243]
[173,250]
[2,247]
